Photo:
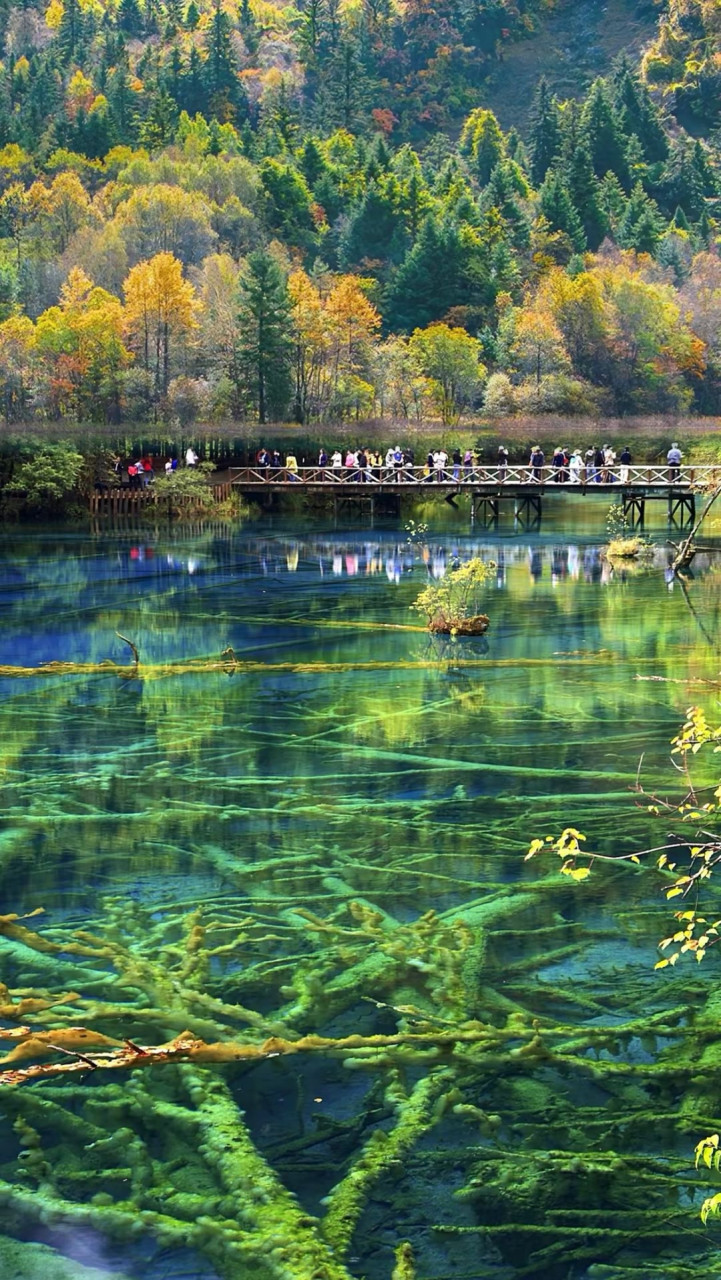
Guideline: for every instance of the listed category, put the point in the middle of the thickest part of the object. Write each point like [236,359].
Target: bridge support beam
[485,509]
[634,510]
[354,505]
[681,509]
[528,510]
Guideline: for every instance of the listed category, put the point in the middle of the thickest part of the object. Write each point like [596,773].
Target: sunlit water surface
[269,836]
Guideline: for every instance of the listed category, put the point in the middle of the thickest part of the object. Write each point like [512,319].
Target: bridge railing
[452,476]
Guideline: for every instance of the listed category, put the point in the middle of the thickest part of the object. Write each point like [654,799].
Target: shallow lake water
[322,833]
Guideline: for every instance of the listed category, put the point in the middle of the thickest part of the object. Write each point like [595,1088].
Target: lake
[315,842]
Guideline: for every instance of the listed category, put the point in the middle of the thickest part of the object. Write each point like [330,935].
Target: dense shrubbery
[206,216]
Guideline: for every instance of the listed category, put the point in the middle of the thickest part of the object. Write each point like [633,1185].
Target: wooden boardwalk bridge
[490,489]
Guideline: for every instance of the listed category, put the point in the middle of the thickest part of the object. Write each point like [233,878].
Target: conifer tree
[612,201]
[429,281]
[544,142]
[220,71]
[705,228]
[603,135]
[311,162]
[583,188]
[638,114]
[558,208]
[376,229]
[483,142]
[130,19]
[122,103]
[158,129]
[71,30]
[641,225]
[265,347]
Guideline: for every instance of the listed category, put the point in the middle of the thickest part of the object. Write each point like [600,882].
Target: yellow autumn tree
[79,348]
[310,344]
[61,209]
[160,306]
[17,340]
[352,324]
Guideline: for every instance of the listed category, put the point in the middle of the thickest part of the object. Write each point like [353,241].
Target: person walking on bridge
[536,462]
[673,458]
[625,461]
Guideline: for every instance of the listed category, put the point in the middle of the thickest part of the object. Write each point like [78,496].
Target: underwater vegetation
[139,1042]
[280,996]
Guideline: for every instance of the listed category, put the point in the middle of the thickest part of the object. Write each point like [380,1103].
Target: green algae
[329,841]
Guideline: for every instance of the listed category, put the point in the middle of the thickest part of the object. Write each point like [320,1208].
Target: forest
[308,212]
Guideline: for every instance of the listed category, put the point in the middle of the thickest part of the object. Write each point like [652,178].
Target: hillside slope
[570,46]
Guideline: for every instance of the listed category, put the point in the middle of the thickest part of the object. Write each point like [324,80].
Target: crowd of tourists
[140,470]
[361,465]
[566,466]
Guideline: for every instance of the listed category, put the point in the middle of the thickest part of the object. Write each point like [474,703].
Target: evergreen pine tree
[158,128]
[506,188]
[123,104]
[544,142]
[483,143]
[192,90]
[173,75]
[558,208]
[612,201]
[220,71]
[173,17]
[517,151]
[265,348]
[215,141]
[641,225]
[42,103]
[705,228]
[429,281]
[311,162]
[71,30]
[192,16]
[343,89]
[376,229]
[638,114]
[130,19]
[583,188]
[681,182]
[603,134]
[704,169]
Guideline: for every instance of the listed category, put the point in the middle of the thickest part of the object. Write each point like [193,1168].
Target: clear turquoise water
[350,758]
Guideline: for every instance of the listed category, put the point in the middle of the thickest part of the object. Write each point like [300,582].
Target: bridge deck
[650,481]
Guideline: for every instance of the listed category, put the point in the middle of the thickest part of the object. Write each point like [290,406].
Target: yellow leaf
[661,964]
[580,873]
[673,893]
